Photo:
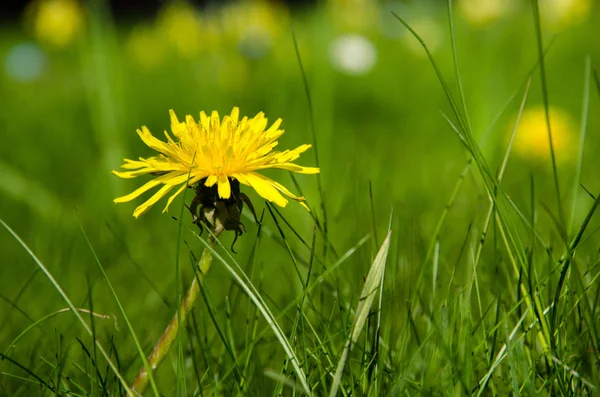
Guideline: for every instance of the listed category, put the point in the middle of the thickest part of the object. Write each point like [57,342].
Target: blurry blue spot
[25,62]
[255,43]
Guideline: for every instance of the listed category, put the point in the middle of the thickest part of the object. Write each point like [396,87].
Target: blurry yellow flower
[145,47]
[483,12]
[211,152]
[559,13]
[254,25]
[181,25]
[55,22]
[531,139]
[355,16]
[429,30]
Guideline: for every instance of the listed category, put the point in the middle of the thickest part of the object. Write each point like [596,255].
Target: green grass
[489,259]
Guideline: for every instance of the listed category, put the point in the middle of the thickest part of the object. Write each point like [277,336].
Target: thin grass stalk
[544,81]
[313,133]
[75,311]
[582,134]
[140,383]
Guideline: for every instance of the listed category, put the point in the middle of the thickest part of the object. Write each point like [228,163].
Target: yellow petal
[177,127]
[291,155]
[224,187]
[152,142]
[170,179]
[132,174]
[124,175]
[133,164]
[173,116]
[259,123]
[292,167]
[234,116]
[142,189]
[215,121]
[274,127]
[142,209]
[204,120]
[177,193]
[211,180]
[263,150]
[263,187]
[283,189]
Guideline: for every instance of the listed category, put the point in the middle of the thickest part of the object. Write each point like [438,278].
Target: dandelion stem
[140,383]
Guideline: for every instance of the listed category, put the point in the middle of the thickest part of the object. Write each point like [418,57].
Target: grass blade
[365,302]
[248,287]
[540,47]
[122,309]
[583,130]
[71,306]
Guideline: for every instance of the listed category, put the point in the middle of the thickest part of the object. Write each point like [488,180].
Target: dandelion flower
[145,47]
[484,12]
[355,16]
[181,25]
[560,13]
[531,139]
[56,22]
[429,30]
[214,152]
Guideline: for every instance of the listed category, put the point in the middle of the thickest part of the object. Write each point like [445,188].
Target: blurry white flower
[353,54]
[25,62]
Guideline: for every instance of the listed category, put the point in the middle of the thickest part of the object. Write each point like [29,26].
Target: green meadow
[449,250]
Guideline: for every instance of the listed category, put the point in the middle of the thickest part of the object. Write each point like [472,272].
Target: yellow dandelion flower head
[355,16]
[484,12]
[560,13]
[214,151]
[531,139]
[430,30]
[182,27]
[145,47]
[55,22]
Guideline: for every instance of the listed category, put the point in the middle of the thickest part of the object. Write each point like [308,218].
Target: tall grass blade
[372,283]
[314,136]
[456,66]
[544,81]
[71,306]
[583,131]
[122,309]
[248,287]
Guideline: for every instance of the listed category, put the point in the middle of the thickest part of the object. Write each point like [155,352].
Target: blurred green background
[77,79]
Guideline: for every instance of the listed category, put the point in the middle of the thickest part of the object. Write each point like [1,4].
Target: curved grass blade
[372,283]
[58,288]
[46,317]
[314,138]
[583,130]
[246,284]
[540,47]
[122,309]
